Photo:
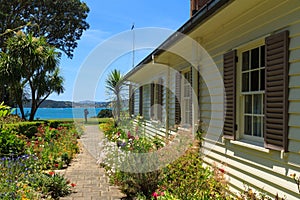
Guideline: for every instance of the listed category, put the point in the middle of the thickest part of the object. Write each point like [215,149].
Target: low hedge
[29,129]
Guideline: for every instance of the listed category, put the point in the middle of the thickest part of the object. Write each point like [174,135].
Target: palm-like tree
[114,87]
[30,62]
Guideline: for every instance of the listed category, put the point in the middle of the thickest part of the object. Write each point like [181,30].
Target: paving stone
[91,180]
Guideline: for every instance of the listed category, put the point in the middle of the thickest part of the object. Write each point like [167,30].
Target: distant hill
[69,104]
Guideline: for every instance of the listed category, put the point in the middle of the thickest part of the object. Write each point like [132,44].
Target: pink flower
[155,195]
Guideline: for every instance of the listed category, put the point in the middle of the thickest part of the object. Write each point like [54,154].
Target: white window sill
[247,144]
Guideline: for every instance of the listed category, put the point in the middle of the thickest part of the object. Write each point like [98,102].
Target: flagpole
[133,44]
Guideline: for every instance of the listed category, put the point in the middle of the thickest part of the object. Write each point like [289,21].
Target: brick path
[91,181]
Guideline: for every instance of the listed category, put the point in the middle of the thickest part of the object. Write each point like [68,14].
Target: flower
[51,173]
[73,184]
[293,175]
[155,195]
[56,165]
[222,170]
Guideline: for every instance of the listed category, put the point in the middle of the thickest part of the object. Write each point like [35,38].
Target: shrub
[105,113]
[119,145]
[51,184]
[29,129]
[185,178]
[11,143]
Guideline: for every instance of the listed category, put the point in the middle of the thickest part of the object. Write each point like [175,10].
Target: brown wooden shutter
[131,100]
[230,94]
[152,91]
[177,98]
[276,91]
[159,98]
[141,101]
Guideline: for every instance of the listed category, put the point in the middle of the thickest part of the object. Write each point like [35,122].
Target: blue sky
[108,18]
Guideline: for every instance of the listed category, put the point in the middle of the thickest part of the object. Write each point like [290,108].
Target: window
[259,111]
[253,86]
[187,98]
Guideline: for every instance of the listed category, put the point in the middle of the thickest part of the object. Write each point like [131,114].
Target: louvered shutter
[177,98]
[159,98]
[141,101]
[276,91]
[131,100]
[191,96]
[152,90]
[230,94]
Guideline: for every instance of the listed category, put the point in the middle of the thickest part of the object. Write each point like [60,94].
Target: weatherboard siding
[246,164]
[250,165]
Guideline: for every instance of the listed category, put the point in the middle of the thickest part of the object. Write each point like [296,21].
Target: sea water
[61,113]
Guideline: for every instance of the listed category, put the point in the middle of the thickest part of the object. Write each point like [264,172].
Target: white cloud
[94,36]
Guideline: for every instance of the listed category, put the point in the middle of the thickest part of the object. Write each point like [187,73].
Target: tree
[61,22]
[30,62]
[114,88]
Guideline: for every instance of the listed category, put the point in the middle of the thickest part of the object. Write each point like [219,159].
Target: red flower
[128,135]
[222,170]
[56,165]
[73,184]
[51,173]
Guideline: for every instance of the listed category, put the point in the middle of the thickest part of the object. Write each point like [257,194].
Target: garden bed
[29,155]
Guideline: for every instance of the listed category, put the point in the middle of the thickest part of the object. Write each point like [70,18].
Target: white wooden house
[245,91]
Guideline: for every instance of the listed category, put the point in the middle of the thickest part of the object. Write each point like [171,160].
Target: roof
[205,12]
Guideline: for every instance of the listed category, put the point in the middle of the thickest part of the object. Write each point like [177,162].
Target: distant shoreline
[70,104]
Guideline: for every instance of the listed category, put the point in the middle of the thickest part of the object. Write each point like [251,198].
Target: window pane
[248,104]
[245,82]
[262,79]
[245,61]
[247,126]
[255,80]
[262,56]
[257,105]
[255,58]
[257,123]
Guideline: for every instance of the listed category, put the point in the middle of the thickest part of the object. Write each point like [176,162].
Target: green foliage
[61,22]
[185,178]
[51,184]
[4,110]
[105,113]
[22,160]
[114,86]
[28,129]
[131,183]
[30,62]
[104,120]
[55,148]
[11,143]
[15,177]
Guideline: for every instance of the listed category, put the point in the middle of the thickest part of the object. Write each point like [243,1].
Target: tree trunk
[118,107]
[22,110]
[33,103]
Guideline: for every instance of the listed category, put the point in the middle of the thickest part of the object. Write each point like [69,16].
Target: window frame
[240,96]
